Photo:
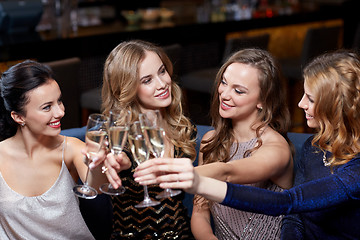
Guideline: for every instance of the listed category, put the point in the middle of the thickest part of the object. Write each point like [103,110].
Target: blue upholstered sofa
[98,212]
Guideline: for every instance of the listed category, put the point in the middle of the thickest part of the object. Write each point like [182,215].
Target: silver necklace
[325,161]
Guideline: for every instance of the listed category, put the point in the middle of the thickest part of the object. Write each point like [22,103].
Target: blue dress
[322,205]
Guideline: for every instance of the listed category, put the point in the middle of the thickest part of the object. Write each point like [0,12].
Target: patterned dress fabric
[322,205]
[230,223]
[168,220]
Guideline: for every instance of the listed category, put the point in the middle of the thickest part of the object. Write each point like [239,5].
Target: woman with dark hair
[250,120]
[38,166]
[324,203]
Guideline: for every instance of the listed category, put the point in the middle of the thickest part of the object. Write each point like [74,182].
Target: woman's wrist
[211,189]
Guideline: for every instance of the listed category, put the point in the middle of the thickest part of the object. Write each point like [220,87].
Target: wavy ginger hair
[334,80]
[121,79]
[274,112]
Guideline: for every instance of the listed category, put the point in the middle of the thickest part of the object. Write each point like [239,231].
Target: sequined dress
[230,223]
[168,220]
[54,214]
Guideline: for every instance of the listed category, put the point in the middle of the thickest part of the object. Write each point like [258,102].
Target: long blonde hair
[274,112]
[334,80]
[121,79]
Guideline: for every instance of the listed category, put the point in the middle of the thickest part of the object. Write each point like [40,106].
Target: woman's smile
[165,94]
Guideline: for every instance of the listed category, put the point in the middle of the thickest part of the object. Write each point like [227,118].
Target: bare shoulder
[6,147]
[74,147]
[5,143]
[208,135]
[75,141]
[270,136]
[277,152]
[274,144]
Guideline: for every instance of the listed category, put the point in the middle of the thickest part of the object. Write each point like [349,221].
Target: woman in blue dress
[324,202]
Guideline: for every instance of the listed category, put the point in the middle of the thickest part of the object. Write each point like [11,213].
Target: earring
[22,124]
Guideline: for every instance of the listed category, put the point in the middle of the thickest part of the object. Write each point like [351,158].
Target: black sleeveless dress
[168,220]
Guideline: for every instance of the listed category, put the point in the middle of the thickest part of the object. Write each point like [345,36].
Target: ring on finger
[104,169]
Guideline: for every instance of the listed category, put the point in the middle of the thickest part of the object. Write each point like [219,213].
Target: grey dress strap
[54,214]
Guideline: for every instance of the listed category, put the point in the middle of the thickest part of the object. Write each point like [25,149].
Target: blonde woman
[137,76]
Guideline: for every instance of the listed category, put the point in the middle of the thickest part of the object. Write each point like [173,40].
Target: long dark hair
[274,111]
[14,85]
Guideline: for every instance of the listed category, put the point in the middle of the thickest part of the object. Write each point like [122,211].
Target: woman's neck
[26,140]
[245,132]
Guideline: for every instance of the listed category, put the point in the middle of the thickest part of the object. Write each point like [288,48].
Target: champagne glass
[94,138]
[117,132]
[151,122]
[140,151]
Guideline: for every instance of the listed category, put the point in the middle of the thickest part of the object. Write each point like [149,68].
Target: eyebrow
[50,102]
[161,66]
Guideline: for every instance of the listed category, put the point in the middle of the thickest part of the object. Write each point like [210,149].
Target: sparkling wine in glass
[140,151]
[95,135]
[151,122]
[117,132]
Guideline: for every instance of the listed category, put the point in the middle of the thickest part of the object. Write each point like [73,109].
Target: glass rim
[101,117]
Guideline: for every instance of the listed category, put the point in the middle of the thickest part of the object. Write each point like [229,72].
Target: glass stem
[146,193]
[86,177]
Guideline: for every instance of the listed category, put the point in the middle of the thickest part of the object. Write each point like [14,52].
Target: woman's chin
[312,123]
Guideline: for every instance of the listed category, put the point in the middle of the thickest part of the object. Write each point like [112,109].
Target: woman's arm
[319,194]
[179,173]
[74,150]
[200,221]
[271,161]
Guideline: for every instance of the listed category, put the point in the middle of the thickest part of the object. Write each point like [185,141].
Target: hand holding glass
[140,151]
[117,131]
[151,122]
[94,138]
